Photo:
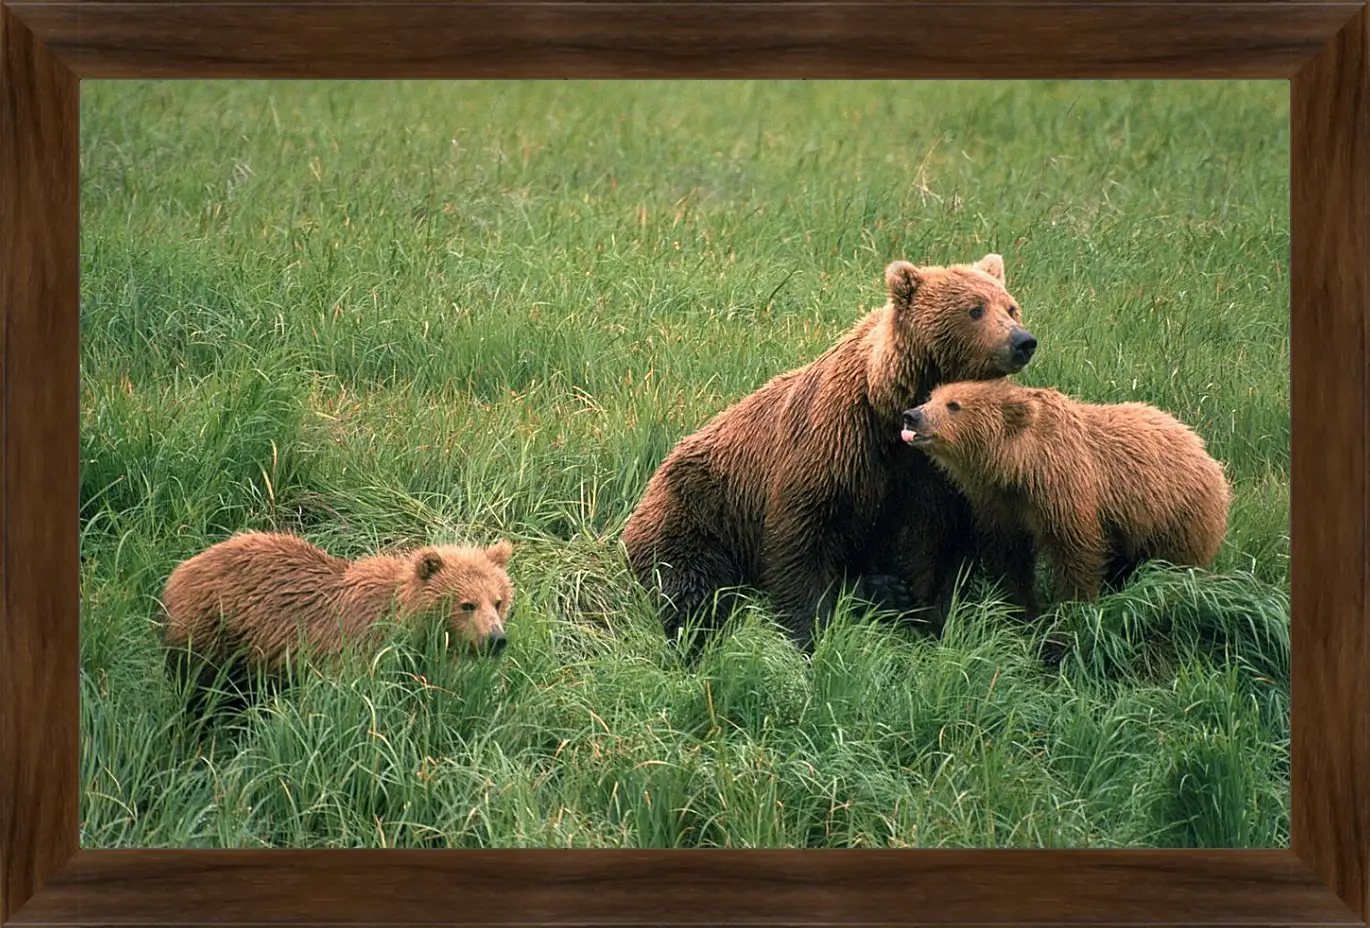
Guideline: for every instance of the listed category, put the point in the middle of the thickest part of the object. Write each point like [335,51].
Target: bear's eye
[953,405]
[499,603]
[977,311]
[1013,311]
[468,607]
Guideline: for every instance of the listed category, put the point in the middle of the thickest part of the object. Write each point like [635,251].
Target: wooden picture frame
[46,48]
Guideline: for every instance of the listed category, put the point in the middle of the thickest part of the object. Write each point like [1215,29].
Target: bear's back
[255,580]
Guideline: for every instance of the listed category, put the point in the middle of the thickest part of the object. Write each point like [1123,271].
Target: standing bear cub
[258,595]
[1098,489]
[804,484]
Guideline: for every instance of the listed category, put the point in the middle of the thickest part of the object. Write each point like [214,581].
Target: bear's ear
[427,562]
[1017,414]
[499,552]
[903,280]
[993,265]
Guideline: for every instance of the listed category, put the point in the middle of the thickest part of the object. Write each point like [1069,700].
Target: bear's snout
[1023,344]
[915,431]
[496,641]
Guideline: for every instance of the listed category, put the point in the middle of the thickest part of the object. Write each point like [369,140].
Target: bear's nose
[1023,343]
[913,418]
[495,642]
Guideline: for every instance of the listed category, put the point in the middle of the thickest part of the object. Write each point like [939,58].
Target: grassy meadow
[384,314]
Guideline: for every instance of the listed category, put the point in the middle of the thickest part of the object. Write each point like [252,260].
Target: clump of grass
[1165,614]
[1218,779]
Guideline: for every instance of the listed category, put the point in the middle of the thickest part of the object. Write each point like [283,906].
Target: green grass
[392,313]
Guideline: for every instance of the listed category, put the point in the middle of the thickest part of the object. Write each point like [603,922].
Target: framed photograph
[723,400]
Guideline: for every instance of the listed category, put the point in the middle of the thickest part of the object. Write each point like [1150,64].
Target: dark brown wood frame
[46,48]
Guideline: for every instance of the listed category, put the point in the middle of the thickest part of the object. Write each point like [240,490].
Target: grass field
[384,314]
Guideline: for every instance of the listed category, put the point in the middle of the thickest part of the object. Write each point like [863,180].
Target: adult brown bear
[806,484]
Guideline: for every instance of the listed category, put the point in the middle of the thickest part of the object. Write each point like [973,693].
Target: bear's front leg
[924,536]
[1010,555]
[1079,558]
[886,592]
[800,572]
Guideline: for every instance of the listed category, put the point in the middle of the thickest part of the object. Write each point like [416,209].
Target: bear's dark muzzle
[1023,344]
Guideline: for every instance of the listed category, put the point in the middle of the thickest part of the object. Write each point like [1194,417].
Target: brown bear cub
[804,485]
[1097,489]
[256,596]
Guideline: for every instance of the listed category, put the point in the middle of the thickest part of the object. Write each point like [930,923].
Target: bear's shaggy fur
[804,483]
[258,595]
[1097,489]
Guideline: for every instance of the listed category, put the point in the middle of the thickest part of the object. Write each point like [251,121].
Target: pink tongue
[908,435]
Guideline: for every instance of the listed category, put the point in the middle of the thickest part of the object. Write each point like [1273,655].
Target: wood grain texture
[724,38]
[705,887]
[38,450]
[1329,557]
[776,38]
